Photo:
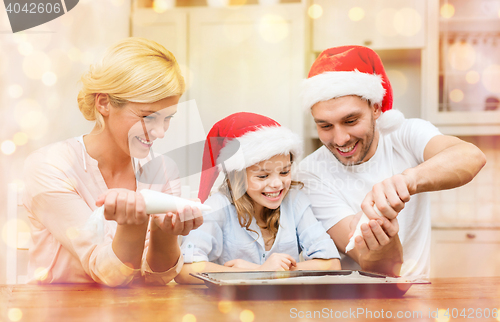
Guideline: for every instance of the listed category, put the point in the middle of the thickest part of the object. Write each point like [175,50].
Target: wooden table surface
[467,299]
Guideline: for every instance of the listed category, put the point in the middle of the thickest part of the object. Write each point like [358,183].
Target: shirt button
[189,246]
[263,255]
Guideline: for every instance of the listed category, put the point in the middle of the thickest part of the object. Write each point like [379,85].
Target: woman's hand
[241,263]
[124,206]
[278,262]
[179,223]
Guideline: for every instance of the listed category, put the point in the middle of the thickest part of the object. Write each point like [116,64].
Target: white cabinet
[380,24]
[465,252]
[461,70]
[247,58]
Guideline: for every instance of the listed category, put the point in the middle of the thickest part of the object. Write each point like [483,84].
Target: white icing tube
[357,232]
[158,203]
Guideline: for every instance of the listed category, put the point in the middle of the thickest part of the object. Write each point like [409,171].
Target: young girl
[131,95]
[259,219]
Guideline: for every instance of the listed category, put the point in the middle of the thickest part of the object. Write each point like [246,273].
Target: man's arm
[448,163]
[378,251]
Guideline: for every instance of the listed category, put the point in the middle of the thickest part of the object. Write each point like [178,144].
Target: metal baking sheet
[306,284]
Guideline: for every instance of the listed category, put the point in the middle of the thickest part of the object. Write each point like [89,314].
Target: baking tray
[305,284]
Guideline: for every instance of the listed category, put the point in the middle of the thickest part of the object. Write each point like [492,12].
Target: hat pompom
[390,121]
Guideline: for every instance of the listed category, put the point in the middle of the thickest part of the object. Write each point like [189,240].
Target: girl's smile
[268,182]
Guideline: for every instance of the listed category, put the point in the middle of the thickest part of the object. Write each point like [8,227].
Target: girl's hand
[124,206]
[241,263]
[179,223]
[278,262]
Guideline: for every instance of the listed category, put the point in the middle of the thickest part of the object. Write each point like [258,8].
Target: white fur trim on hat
[328,85]
[259,145]
[390,121]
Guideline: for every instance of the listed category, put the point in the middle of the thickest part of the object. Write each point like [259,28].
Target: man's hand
[379,248]
[389,196]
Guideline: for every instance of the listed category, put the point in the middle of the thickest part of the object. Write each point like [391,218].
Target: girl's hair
[235,184]
[133,70]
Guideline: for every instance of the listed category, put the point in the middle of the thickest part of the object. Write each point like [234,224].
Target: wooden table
[195,303]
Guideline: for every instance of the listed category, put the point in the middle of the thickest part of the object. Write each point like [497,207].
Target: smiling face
[269,181]
[346,126]
[135,126]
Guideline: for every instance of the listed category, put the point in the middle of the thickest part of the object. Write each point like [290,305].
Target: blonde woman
[260,218]
[131,95]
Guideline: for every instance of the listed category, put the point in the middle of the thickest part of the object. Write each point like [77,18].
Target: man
[371,157]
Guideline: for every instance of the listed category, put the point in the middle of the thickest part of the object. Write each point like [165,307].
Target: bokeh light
[25,48]
[267,2]
[384,22]
[407,22]
[315,11]
[456,95]
[247,316]
[218,3]
[161,6]
[74,54]
[447,10]
[31,119]
[41,273]
[461,56]
[236,3]
[356,14]
[49,78]
[225,306]
[62,64]
[36,64]
[399,82]
[198,266]
[441,316]
[15,91]
[20,138]
[41,39]
[491,78]
[189,318]
[17,225]
[472,77]
[8,147]
[273,28]
[15,314]
[72,233]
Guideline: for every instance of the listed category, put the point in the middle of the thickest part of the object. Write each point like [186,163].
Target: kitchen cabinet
[462,252]
[243,58]
[381,24]
[461,64]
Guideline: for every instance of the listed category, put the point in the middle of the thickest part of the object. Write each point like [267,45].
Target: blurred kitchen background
[442,57]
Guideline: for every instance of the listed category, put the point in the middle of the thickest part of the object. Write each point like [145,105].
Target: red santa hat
[242,140]
[352,70]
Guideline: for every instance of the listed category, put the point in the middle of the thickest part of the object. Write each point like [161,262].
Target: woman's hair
[133,70]
[234,185]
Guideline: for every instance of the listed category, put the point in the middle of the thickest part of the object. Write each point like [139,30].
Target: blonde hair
[235,184]
[133,70]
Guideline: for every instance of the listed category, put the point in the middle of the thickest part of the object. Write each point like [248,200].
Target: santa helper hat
[352,70]
[242,140]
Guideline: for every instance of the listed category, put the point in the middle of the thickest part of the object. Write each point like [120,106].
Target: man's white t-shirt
[336,191]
